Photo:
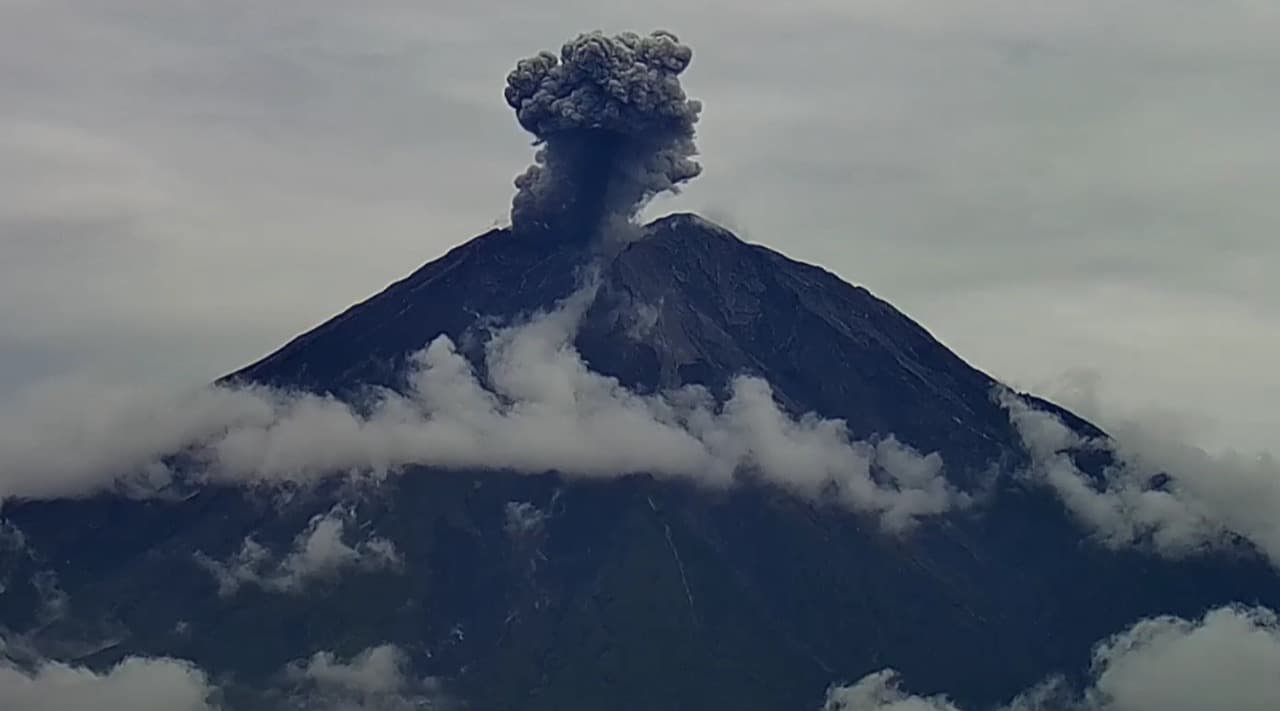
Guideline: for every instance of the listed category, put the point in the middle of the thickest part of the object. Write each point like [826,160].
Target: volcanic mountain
[543,591]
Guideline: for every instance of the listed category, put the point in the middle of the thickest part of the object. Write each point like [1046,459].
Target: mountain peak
[688,303]
[682,221]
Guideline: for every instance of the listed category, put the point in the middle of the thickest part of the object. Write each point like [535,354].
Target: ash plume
[613,128]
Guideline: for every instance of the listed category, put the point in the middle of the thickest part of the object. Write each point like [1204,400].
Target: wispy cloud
[320,552]
[1158,492]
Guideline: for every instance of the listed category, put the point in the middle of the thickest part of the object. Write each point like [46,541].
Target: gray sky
[1084,188]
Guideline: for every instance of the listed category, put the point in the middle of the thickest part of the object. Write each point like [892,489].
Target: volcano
[543,591]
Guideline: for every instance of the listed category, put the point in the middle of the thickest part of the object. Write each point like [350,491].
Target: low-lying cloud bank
[1159,493]
[1229,659]
[320,552]
[538,409]
[137,683]
[376,679]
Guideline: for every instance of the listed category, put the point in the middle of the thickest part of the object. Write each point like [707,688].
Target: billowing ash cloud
[321,552]
[538,408]
[1159,493]
[1226,660]
[613,128]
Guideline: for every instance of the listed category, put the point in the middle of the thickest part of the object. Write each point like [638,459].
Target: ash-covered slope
[542,592]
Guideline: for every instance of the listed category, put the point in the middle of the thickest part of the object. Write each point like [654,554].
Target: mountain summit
[516,589]
[688,303]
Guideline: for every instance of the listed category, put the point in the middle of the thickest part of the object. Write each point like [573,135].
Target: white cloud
[881,692]
[1229,659]
[376,670]
[320,552]
[523,519]
[376,679]
[137,684]
[541,409]
[72,439]
[379,678]
[1160,491]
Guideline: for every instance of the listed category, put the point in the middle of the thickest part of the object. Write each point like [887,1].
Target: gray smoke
[613,128]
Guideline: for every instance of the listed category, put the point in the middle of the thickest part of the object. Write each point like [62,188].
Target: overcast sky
[1086,187]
